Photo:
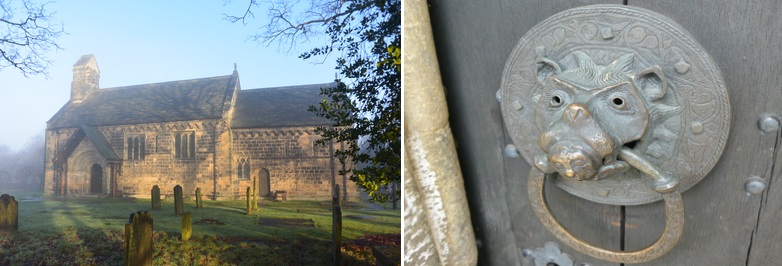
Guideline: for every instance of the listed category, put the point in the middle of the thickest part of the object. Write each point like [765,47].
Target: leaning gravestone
[255,195]
[155,197]
[249,206]
[179,204]
[199,203]
[336,226]
[187,226]
[9,214]
[138,239]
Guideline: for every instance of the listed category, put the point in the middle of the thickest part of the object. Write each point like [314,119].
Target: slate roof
[194,99]
[148,103]
[278,107]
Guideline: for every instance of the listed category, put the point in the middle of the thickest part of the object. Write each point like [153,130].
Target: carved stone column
[438,230]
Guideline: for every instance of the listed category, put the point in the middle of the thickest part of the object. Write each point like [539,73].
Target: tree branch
[289,25]
[28,38]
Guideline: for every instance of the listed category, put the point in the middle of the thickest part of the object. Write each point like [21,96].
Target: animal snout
[573,162]
[575,112]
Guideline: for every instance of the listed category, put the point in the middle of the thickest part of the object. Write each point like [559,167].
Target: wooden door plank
[767,237]
[474,40]
[721,218]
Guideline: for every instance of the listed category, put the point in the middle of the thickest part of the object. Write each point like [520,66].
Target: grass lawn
[90,231]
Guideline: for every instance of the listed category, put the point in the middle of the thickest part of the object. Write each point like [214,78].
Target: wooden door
[96,179]
[264,188]
[724,225]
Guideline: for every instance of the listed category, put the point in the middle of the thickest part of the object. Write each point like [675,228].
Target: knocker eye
[556,101]
[618,102]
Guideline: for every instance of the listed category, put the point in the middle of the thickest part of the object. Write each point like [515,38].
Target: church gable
[91,134]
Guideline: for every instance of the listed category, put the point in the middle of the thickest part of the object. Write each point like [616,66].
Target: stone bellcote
[86,77]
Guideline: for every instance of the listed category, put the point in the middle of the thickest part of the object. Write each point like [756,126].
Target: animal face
[588,112]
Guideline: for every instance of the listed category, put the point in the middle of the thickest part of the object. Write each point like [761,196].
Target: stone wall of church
[162,163]
[54,140]
[293,161]
[157,162]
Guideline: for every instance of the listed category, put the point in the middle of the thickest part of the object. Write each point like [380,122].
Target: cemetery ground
[90,231]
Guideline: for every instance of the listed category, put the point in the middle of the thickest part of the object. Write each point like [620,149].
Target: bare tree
[293,22]
[26,35]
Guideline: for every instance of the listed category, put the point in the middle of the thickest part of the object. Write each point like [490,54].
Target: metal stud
[768,124]
[755,185]
[511,151]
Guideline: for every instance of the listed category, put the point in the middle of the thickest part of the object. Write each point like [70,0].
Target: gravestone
[9,214]
[179,205]
[138,239]
[249,206]
[187,226]
[155,197]
[336,226]
[199,203]
[255,196]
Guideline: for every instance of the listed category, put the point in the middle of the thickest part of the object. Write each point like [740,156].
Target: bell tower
[86,77]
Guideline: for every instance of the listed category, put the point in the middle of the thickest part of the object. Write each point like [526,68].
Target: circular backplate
[689,125]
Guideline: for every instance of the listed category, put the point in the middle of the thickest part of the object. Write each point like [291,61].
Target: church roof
[194,99]
[278,107]
[183,100]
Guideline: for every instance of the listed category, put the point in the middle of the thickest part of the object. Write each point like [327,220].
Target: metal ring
[674,225]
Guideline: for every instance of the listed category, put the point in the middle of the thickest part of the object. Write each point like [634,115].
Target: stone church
[206,133]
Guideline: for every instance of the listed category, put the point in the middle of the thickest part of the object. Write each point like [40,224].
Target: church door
[264,185]
[96,179]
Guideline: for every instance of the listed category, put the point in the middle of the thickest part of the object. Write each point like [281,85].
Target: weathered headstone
[249,206]
[199,203]
[138,239]
[187,226]
[179,204]
[255,196]
[336,226]
[9,214]
[155,197]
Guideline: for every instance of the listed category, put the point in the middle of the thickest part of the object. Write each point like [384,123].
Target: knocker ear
[652,82]
[546,68]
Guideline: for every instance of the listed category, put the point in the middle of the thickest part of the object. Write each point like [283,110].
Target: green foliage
[366,106]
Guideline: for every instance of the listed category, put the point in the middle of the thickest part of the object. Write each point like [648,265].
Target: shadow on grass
[90,231]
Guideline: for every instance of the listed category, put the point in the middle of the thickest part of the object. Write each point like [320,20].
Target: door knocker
[617,105]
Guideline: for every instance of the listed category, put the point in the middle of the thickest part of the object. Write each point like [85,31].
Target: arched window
[130,149]
[177,145]
[240,169]
[135,148]
[192,146]
[243,169]
[185,145]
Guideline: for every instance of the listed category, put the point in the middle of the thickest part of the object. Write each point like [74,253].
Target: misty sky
[138,42]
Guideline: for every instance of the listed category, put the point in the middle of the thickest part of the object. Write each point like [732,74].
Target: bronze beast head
[590,111]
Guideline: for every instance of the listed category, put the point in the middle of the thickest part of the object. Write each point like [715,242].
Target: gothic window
[243,169]
[185,145]
[135,148]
